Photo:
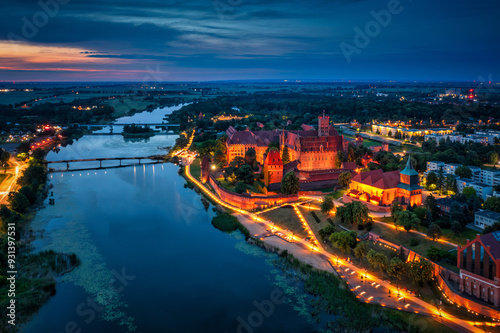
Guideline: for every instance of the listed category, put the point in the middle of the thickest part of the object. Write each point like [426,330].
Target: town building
[380,188]
[435,165]
[479,264]
[485,218]
[384,129]
[445,205]
[450,168]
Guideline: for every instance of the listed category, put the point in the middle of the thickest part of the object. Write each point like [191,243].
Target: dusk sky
[165,40]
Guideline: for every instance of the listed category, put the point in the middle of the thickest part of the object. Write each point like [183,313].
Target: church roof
[378,178]
[493,241]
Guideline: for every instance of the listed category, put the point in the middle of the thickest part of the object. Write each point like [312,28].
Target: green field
[286,218]
[366,142]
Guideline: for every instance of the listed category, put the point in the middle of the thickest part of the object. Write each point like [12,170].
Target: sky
[169,40]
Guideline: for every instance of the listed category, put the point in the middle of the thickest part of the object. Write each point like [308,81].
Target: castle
[311,149]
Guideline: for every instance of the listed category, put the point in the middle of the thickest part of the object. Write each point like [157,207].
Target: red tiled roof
[307,127]
[378,178]
[491,240]
[273,158]
[349,165]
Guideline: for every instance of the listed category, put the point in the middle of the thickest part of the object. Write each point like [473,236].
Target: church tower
[323,125]
[409,188]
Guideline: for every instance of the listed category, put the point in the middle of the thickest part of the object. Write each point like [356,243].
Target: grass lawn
[315,226]
[286,218]
[196,168]
[404,238]
[460,239]
[230,187]
[337,194]
[3,177]
[366,142]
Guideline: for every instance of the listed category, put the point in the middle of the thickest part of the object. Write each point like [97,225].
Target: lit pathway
[10,184]
[380,215]
[351,272]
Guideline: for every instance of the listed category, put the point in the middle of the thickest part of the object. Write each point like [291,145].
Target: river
[150,259]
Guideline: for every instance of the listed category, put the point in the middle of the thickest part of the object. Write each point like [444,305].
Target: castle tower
[323,125]
[205,169]
[273,168]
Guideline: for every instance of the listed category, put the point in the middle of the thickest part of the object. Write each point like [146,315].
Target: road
[11,183]
[350,269]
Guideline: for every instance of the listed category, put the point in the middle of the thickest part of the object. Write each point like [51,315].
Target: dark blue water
[151,260]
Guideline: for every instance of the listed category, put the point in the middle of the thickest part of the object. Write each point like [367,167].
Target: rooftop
[489,214]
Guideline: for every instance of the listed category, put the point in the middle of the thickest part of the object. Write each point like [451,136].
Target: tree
[431,179]
[492,157]
[38,154]
[440,180]
[421,270]
[360,250]
[492,228]
[18,202]
[28,193]
[219,156]
[250,156]
[463,172]
[273,146]
[245,174]
[492,203]
[345,179]
[431,204]
[33,173]
[389,133]
[339,159]
[407,220]
[397,269]
[344,240]
[354,213]
[327,205]
[4,159]
[435,254]
[290,184]
[469,191]
[285,156]
[456,227]
[395,208]
[240,187]
[434,231]
[371,257]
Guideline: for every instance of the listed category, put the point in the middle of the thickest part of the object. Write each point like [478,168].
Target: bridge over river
[151,159]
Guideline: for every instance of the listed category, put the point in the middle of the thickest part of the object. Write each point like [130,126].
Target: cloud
[273,37]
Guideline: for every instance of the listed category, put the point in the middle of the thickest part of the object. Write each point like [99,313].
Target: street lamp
[337,260]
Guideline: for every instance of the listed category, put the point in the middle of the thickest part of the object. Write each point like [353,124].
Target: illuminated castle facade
[312,149]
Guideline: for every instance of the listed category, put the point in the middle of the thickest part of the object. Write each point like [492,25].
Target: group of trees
[290,183]
[354,213]
[473,154]
[444,183]
[4,159]
[419,271]
[32,183]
